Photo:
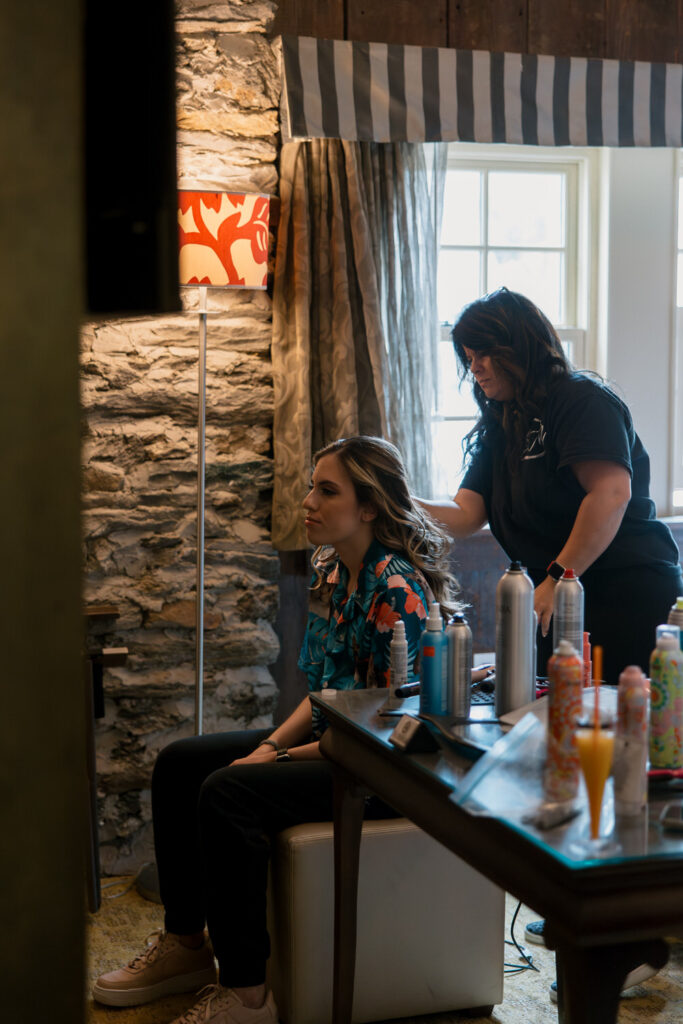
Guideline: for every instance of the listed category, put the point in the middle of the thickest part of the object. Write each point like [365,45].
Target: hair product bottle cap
[668,637]
[434,622]
[565,649]
[632,675]
[399,631]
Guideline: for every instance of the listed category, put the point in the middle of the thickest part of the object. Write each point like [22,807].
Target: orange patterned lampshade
[223,239]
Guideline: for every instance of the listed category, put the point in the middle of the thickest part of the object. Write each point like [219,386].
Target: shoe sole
[139,996]
[536,940]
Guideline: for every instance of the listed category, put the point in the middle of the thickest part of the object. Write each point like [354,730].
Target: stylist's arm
[461,517]
[608,491]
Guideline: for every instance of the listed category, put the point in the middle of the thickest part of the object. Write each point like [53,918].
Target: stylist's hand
[544,596]
[262,755]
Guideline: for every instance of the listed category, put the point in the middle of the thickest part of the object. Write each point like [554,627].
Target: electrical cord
[126,885]
[528,964]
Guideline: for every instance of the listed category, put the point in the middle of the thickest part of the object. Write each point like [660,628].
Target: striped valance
[389,93]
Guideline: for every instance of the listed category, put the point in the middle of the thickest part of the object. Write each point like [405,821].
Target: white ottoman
[430,928]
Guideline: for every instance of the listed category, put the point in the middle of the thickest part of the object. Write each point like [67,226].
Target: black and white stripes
[388,93]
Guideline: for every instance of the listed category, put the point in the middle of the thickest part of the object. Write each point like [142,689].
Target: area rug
[118,931]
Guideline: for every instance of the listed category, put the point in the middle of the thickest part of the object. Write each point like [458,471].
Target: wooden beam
[567,30]
[398,21]
[488,25]
[324,20]
[644,30]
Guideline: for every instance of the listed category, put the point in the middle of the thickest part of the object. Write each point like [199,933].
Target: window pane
[447,455]
[453,401]
[538,275]
[526,209]
[458,282]
[461,223]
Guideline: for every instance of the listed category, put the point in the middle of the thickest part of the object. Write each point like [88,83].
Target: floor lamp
[223,244]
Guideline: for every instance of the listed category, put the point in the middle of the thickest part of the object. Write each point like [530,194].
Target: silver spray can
[515,640]
[568,611]
[458,693]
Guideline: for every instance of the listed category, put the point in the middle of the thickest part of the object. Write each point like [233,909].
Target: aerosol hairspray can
[568,611]
[398,665]
[666,700]
[458,690]
[565,702]
[515,640]
[631,742]
[433,667]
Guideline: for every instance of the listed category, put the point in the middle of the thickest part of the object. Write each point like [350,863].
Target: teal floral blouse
[347,641]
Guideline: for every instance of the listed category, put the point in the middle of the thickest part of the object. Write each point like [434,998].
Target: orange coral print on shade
[223,239]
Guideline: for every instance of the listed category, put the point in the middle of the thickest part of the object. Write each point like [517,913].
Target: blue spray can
[433,664]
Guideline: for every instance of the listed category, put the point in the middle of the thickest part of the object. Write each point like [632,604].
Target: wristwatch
[555,571]
[282,754]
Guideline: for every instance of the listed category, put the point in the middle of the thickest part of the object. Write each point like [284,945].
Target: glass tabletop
[506,784]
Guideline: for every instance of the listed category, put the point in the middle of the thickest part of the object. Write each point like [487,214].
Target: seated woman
[217,799]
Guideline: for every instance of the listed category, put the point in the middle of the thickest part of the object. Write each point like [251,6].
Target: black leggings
[212,831]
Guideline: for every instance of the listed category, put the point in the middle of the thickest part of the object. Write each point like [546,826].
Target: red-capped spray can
[565,681]
[631,742]
[568,611]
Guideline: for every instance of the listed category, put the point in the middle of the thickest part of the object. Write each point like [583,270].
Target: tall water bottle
[459,676]
[676,614]
[666,708]
[568,611]
[433,664]
[515,640]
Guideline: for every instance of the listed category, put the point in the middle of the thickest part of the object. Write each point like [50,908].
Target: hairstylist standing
[556,468]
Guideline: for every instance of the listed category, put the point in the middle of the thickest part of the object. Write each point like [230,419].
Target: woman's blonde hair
[376,471]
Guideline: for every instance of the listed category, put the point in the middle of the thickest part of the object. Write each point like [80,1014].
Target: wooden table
[602,917]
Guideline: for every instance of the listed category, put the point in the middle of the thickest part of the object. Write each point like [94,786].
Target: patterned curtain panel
[353,308]
[386,92]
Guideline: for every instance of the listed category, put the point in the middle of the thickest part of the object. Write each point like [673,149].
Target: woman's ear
[368,513]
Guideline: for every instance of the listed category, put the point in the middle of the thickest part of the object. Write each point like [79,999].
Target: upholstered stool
[430,928]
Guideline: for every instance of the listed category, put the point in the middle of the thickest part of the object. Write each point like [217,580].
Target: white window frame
[581,243]
[676,488]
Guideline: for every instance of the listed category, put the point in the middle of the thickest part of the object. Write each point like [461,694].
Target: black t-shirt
[531,508]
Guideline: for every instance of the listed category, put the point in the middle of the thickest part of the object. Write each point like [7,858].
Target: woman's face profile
[492,382]
[333,512]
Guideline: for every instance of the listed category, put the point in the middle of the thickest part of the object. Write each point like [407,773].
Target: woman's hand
[544,596]
[265,754]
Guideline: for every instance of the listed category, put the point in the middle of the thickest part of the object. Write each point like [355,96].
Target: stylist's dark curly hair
[524,348]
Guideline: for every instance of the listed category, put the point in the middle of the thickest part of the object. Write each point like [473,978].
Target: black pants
[622,609]
[212,830]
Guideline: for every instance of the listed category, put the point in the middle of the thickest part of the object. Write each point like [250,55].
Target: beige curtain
[354,316]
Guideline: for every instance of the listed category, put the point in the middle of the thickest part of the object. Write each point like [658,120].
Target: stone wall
[139,384]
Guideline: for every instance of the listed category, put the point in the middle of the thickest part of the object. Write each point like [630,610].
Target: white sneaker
[639,974]
[164,967]
[219,1005]
[635,977]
